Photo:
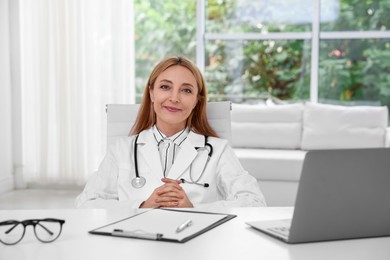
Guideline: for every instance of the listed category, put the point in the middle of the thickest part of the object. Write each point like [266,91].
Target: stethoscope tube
[209,154]
[138,181]
[135,156]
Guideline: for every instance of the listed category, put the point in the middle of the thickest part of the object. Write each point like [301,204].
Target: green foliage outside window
[162,28]
[356,70]
[262,69]
[351,70]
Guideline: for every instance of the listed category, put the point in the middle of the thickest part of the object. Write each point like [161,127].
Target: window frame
[316,35]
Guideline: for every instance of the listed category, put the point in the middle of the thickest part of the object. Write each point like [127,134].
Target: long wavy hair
[197,121]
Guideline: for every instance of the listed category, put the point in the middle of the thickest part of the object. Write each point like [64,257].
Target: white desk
[232,240]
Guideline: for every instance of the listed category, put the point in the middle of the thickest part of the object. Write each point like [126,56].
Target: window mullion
[315,45]
[200,35]
[334,35]
[259,36]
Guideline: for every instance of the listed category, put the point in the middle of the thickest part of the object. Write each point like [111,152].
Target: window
[354,53]
[162,28]
[334,51]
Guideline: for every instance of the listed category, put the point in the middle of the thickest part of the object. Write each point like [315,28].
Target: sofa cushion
[336,127]
[260,126]
[272,164]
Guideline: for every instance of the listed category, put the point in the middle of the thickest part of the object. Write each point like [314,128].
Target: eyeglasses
[46,230]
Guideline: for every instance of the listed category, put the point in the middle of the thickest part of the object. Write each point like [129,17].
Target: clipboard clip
[136,234]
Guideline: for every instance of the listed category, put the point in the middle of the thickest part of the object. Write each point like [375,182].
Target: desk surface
[232,240]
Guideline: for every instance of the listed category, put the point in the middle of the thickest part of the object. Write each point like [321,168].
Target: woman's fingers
[167,180]
[168,195]
[168,187]
[169,204]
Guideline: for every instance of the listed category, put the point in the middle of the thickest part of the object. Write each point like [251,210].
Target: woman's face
[174,95]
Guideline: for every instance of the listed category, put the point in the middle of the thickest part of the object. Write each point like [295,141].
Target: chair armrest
[387,144]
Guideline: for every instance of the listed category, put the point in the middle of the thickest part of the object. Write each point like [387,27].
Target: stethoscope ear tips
[206,185]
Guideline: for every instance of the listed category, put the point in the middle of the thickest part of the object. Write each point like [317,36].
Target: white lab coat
[230,184]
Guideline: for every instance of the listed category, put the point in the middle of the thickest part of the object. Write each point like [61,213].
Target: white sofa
[271,141]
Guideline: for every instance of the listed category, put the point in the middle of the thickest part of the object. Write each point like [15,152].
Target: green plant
[349,70]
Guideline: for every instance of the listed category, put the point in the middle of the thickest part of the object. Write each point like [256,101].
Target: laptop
[342,194]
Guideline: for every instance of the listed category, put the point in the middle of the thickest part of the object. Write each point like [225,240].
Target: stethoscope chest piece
[138,182]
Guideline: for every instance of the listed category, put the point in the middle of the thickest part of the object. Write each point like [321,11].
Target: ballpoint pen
[183,226]
[136,234]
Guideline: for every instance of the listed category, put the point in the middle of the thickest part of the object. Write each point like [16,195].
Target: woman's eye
[187,91]
[164,87]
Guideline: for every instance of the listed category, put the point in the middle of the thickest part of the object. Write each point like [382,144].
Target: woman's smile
[172,109]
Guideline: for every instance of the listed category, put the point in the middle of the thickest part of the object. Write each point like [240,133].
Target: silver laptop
[342,194]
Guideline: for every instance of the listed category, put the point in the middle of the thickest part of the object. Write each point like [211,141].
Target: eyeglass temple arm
[45,228]
[12,228]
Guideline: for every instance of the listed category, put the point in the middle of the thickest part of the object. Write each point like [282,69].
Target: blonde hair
[197,121]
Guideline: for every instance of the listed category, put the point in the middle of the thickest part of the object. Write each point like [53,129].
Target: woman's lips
[172,109]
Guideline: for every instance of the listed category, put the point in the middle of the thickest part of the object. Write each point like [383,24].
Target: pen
[136,234]
[183,226]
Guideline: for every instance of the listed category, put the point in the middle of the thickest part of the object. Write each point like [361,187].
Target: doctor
[172,158]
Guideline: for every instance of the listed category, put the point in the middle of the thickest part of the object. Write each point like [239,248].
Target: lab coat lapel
[148,150]
[186,156]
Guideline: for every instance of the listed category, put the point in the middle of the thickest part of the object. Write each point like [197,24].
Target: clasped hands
[168,195]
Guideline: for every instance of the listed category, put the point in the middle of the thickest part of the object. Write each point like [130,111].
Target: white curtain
[76,57]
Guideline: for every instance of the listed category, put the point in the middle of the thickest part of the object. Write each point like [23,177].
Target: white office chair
[121,118]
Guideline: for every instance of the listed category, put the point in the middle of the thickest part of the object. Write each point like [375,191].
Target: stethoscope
[139,181]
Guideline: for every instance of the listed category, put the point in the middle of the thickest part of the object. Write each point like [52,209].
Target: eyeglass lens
[47,231]
[11,232]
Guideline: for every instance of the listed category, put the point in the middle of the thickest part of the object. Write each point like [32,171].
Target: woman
[172,139]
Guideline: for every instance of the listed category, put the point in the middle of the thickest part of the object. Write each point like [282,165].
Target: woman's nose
[174,98]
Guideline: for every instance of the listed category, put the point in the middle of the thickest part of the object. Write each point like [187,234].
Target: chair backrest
[121,118]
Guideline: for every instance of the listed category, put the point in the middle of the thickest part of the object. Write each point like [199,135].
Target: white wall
[6,164]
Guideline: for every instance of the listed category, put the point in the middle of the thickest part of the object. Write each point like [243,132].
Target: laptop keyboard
[282,231]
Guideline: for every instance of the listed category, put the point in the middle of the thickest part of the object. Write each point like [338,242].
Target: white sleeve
[237,187]
[101,190]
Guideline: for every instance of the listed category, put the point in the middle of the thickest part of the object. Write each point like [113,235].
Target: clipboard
[163,225]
